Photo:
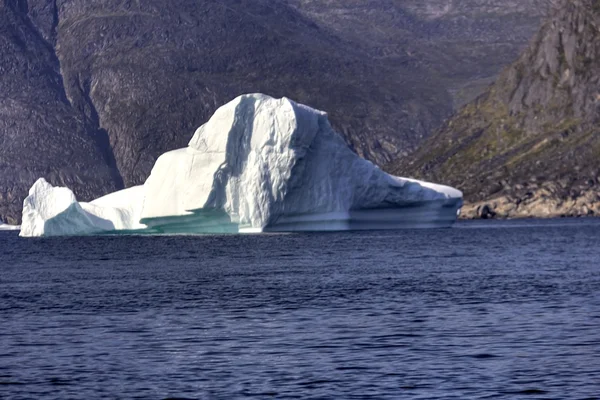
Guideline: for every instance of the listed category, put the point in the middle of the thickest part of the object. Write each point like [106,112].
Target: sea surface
[485,310]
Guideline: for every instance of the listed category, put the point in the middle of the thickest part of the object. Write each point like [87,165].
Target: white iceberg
[54,211]
[6,227]
[259,164]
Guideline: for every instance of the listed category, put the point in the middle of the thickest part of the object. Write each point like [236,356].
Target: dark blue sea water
[484,310]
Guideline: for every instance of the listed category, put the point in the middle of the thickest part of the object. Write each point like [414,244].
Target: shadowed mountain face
[40,133]
[532,141]
[92,92]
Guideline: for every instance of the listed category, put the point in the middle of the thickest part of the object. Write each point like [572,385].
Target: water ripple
[482,311]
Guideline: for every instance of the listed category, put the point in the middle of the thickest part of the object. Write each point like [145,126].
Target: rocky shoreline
[545,202]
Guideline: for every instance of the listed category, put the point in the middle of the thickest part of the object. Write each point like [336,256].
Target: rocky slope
[465,43]
[530,146]
[40,133]
[92,92]
[113,84]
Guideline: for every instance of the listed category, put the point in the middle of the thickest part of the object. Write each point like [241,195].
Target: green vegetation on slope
[538,123]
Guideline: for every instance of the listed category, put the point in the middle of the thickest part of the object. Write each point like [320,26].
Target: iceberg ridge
[259,164]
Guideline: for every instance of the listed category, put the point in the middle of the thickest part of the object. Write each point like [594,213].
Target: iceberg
[6,227]
[258,165]
[54,211]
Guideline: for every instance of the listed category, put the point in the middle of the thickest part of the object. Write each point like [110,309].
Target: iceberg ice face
[259,164]
[273,164]
[122,208]
[5,227]
[241,161]
[54,211]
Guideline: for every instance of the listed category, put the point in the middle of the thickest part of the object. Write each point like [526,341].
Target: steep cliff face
[532,141]
[40,133]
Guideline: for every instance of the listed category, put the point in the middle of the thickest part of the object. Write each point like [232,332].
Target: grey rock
[466,42]
[40,133]
[486,212]
[91,92]
[516,130]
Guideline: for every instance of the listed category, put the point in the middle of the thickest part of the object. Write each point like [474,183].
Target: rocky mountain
[529,146]
[92,92]
[40,133]
[464,43]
